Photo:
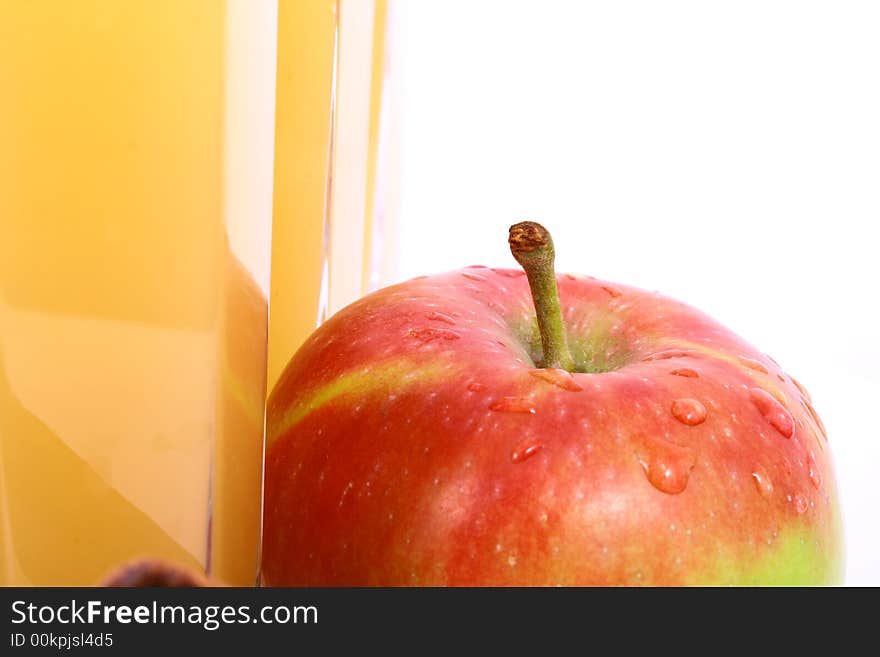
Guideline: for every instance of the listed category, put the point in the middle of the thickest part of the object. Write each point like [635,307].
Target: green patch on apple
[797,557]
[380,379]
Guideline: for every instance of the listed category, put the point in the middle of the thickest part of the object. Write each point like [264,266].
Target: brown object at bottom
[155,573]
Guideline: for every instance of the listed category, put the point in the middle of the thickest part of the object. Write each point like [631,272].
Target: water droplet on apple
[429,334]
[570,277]
[763,483]
[498,308]
[816,419]
[613,291]
[804,392]
[520,454]
[778,394]
[667,465]
[689,411]
[753,364]
[472,276]
[476,387]
[667,354]
[801,504]
[345,492]
[557,377]
[813,470]
[513,405]
[686,371]
[441,317]
[774,412]
[510,273]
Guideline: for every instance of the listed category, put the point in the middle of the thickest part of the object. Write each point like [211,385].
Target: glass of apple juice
[136,173]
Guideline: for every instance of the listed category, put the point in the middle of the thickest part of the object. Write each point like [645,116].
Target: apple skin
[412,441]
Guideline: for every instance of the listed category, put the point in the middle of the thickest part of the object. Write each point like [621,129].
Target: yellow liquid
[306,43]
[331,67]
[135,209]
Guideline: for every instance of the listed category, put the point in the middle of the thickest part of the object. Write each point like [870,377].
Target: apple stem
[532,246]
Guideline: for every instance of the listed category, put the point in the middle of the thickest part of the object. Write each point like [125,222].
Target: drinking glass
[136,155]
[335,164]
[149,151]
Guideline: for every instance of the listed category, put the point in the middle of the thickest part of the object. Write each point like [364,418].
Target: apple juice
[328,239]
[136,145]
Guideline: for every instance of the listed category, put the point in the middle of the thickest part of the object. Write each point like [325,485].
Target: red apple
[420,438]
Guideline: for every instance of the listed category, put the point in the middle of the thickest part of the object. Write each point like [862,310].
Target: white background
[724,153]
